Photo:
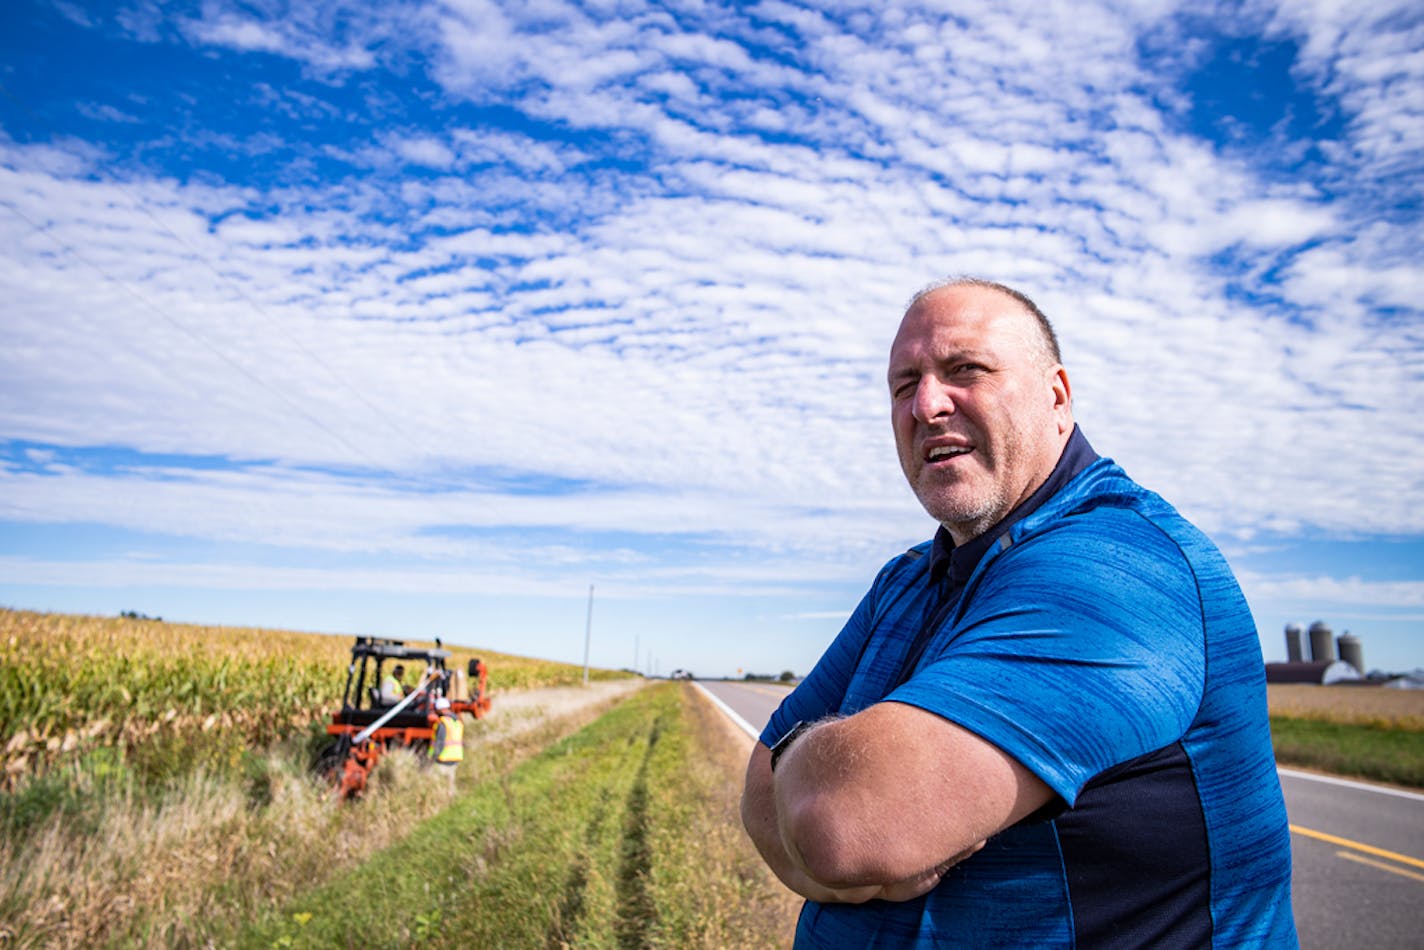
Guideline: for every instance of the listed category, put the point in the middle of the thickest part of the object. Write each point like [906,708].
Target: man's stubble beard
[974,515]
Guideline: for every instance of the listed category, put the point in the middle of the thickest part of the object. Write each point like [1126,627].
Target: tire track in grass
[637,913]
[563,929]
[530,858]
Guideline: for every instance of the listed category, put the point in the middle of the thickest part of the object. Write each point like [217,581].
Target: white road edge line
[745,726]
[1331,780]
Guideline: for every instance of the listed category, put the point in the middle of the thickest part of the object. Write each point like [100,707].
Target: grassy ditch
[209,852]
[1365,732]
[622,835]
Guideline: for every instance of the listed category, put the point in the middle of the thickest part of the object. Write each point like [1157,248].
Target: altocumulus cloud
[619,277]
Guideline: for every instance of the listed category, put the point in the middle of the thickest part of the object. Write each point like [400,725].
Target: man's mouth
[941,452]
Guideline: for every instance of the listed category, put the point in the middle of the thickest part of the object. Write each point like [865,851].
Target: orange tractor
[375,717]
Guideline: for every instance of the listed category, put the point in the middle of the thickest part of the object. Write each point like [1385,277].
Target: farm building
[1323,672]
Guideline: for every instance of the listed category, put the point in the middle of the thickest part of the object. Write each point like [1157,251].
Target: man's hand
[913,887]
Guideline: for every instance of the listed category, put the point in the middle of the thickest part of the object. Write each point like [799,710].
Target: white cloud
[1368,55]
[328,38]
[424,150]
[1337,593]
[669,272]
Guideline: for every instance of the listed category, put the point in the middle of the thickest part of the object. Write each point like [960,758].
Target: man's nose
[932,399]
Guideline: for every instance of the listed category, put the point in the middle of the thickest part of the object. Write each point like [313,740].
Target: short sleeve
[1073,651]
[824,690]
[819,694]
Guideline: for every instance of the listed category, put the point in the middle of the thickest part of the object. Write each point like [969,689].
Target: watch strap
[784,743]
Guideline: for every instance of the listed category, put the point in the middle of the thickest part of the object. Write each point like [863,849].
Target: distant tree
[787,676]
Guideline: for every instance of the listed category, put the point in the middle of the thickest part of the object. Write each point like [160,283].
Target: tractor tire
[329,762]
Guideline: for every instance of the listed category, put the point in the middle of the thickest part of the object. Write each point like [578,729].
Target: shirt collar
[959,561]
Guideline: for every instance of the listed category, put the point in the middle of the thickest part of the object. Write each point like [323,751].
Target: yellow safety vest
[391,690]
[449,745]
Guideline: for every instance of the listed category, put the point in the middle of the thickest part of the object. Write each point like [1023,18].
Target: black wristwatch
[784,743]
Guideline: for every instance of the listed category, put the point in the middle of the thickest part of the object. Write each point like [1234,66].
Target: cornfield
[166,698]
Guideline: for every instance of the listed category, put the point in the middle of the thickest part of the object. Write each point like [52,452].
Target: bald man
[1046,727]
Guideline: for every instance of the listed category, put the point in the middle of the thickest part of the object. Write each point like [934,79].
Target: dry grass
[750,907]
[1363,731]
[1374,706]
[167,873]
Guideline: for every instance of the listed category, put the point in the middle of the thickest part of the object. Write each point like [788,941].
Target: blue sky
[418,319]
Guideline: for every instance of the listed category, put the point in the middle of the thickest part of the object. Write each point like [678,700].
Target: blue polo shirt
[1101,640]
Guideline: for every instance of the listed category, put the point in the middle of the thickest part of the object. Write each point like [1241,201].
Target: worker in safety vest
[392,689]
[448,749]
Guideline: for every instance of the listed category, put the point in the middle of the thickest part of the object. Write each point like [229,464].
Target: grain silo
[1295,643]
[1351,650]
[1322,642]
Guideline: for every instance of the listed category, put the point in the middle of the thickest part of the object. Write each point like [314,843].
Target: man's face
[980,412]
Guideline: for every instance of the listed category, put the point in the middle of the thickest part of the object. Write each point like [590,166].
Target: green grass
[612,837]
[1385,755]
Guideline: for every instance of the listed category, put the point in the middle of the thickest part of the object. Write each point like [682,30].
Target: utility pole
[587,634]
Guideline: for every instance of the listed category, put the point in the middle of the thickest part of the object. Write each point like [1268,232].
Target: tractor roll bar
[365,734]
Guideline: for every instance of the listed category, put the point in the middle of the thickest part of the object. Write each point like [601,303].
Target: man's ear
[1062,398]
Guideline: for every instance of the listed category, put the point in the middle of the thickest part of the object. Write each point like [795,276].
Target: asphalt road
[1357,863]
[1357,850]
[749,704]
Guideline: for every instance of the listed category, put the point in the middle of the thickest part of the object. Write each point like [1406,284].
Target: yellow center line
[1366,848]
[768,690]
[1379,864]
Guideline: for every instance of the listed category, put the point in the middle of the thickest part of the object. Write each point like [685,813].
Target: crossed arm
[881,804]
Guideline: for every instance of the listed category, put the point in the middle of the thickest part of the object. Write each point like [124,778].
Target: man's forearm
[760,820]
[892,797]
